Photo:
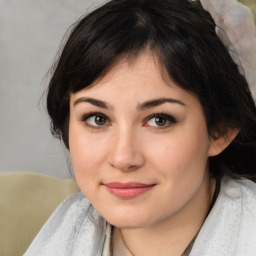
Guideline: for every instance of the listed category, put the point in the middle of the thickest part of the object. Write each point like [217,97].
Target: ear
[218,145]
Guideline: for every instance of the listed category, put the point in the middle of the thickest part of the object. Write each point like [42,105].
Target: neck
[172,236]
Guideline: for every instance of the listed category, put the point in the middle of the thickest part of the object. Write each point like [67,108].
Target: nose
[126,153]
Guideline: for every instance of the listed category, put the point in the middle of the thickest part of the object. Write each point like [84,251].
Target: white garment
[107,249]
[75,228]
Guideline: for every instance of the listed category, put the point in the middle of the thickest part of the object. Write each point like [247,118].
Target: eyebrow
[95,102]
[158,102]
[140,107]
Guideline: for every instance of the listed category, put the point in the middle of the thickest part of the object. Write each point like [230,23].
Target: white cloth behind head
[236,29]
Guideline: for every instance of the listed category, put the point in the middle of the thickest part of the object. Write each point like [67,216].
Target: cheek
[180,156]
[182,164]
[87,154]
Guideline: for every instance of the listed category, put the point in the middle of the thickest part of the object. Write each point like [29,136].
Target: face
[139,145]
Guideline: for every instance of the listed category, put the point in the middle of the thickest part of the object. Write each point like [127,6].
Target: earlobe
[222,142]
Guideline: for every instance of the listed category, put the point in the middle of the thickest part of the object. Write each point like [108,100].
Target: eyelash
[85,118]
[168,118]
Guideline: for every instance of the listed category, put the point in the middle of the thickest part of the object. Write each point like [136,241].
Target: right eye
[95,120]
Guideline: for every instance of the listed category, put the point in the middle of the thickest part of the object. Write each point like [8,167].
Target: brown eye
[100,120]
[160,121]
[95,120]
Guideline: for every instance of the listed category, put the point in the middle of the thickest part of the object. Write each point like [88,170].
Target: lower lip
[128,193]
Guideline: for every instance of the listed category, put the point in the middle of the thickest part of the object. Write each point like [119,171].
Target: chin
[127,224]
[128,220]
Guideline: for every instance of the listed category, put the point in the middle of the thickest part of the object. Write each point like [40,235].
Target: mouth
[128,190]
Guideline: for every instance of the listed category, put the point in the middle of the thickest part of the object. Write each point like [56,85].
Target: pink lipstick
[128,190]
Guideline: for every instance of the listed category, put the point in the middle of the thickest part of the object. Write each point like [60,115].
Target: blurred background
[30,33]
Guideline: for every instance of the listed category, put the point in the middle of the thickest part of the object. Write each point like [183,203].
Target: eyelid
[168,117]
[91,114]
[86,116]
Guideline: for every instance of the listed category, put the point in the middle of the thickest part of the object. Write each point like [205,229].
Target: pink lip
[128,190]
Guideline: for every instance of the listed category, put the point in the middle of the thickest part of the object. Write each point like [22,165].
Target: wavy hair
[181,34]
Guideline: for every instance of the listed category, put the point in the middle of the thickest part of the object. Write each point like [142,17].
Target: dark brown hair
[182,36]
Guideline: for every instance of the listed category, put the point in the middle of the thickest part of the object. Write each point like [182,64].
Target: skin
[131,146]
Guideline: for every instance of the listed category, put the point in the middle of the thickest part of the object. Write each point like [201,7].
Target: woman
[161,128]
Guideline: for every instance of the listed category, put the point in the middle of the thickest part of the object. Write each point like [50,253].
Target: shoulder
[73,205]
[242,190]
[74,227]
[230,228]
[238,198]
[72,210]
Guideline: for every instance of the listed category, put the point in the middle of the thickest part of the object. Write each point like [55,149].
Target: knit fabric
[76,228]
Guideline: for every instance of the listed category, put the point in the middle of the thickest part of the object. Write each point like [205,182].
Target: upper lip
[127,185]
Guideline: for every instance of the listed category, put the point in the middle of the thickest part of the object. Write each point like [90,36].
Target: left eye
[95,120]
[160,121]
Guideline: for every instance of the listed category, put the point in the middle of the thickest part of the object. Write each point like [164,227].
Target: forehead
[126,64]
[134,81]
[140,70]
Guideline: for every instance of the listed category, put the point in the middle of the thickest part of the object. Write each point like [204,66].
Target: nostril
[125,167]
[128,162]
[133,167]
